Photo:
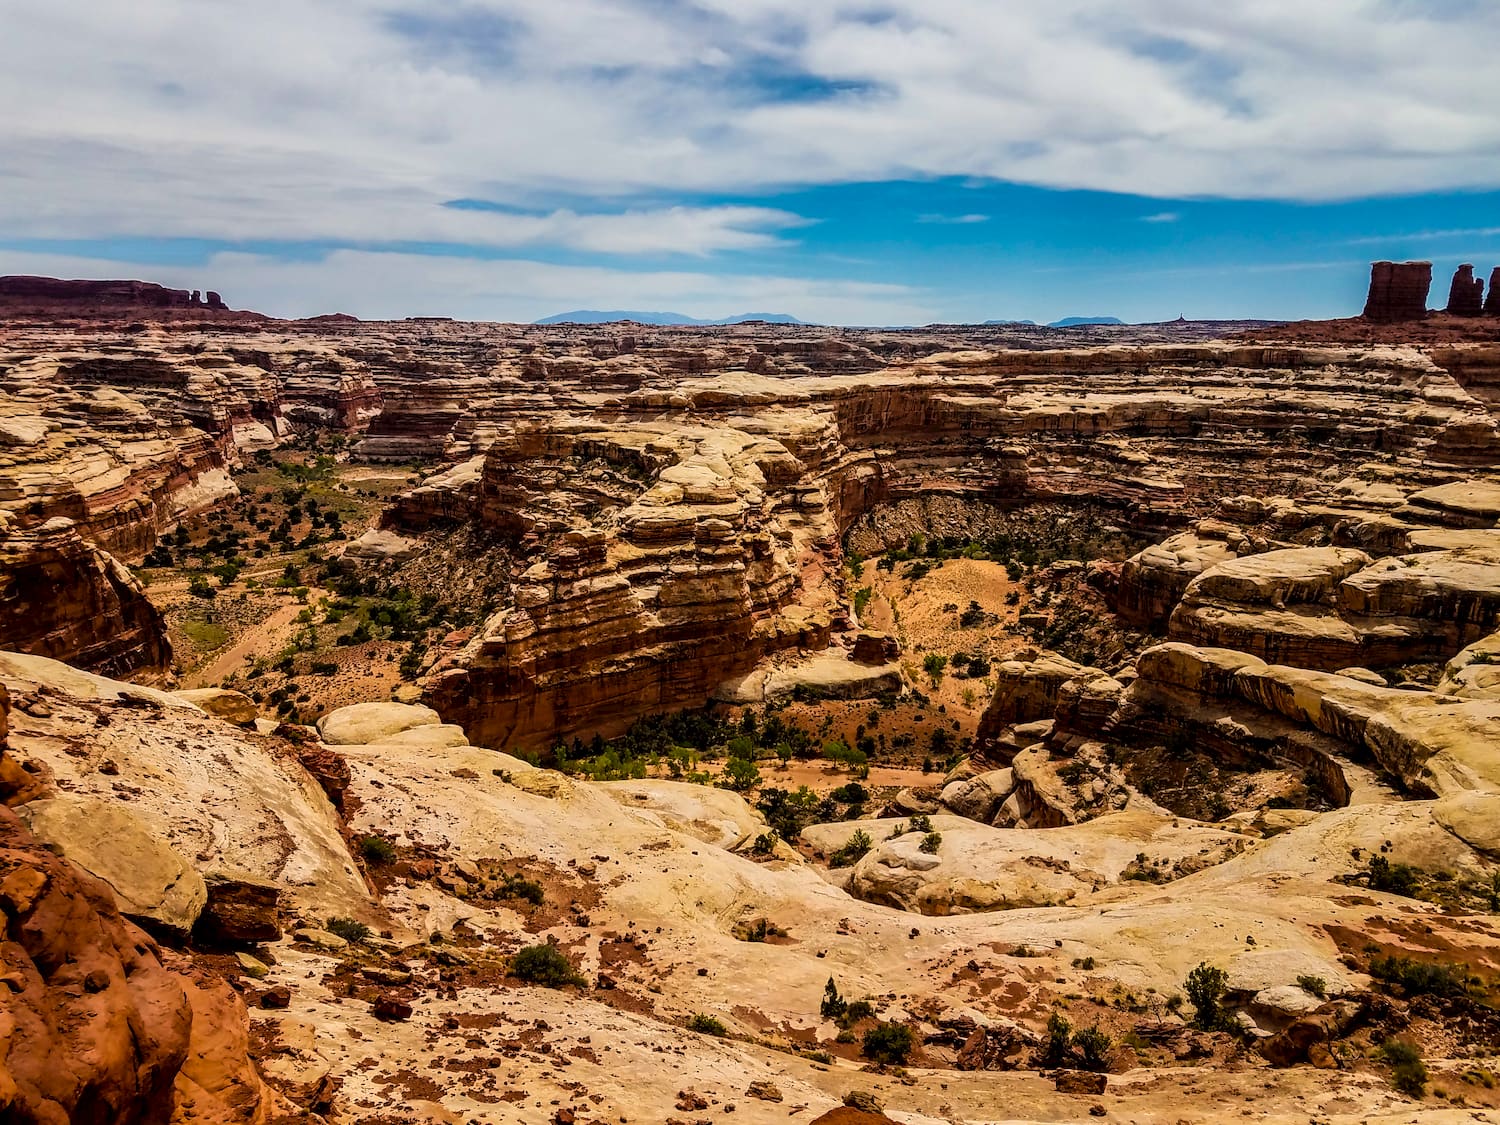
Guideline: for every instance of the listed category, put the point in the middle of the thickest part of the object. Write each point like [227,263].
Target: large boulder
[154,885]
[241,909]
[232,706]
[978,798]
[364,723]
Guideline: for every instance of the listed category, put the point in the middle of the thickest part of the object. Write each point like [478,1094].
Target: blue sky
[869,161]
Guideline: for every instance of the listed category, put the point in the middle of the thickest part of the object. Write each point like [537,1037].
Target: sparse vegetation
[855,849]
[377,851]
[707,1025]
[517,886]
[1313,986]
[1408,1072]
[1422,978]
[888,1043]
[349,929]
[546,965]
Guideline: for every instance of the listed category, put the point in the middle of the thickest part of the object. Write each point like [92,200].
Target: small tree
[1058,1050]
[834,1005]
[1094,1045]
[741,775]
[1205,988]
[855,849]
[933,664]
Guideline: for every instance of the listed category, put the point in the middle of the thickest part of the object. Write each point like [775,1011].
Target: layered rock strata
[63,598]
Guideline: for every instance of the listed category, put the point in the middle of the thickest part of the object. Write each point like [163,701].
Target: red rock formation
[1466,294]
[62,598]
[1398,291]
[19,288]
[1492,300]
[97,1025]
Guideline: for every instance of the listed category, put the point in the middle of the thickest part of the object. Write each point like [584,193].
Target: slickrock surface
[641,894]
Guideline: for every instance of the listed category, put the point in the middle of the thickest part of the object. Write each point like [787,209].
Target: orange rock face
[99,1025]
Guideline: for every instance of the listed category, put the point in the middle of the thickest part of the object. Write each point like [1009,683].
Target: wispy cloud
[952,220]
[389,285]
[1424,236]
[1162,217]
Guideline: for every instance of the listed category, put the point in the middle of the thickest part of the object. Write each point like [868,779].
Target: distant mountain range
[1065,322]
[593,316]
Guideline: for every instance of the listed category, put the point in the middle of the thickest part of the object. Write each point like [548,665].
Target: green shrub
[973,617]
[861,599]
[707,1025]
[349,929]
[931,843]
[517,886]
[855,849]
[1421,978]
[919,824]
[545,965]
[1408,1073]
[1394,878]
[859,1010]
[1315,986]
[1094,1047]
[933,664]
[377,851]
[1058,1050]
[888,1043]
[1205,988]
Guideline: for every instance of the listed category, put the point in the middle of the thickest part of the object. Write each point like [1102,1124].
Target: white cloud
[1162,217]
[953,220]
[1424,236]
[353,120]
[376,286]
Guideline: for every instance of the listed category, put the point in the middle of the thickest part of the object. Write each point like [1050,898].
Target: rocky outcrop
[22,291]
[214,796]
[63,598]
[1466,294]
[1398,291]
[1334,607]
[1492,298]
[98,1024]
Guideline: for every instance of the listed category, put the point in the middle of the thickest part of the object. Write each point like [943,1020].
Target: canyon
[1233,600]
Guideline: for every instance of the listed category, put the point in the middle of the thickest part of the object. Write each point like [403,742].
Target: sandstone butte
[200,929]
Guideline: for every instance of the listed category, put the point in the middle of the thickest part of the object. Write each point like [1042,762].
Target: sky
[843,161]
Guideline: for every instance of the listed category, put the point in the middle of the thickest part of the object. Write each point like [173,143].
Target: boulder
[979,798]
[1080,1082]
[241,909]
[362,724]
[154,885]
[231,706]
